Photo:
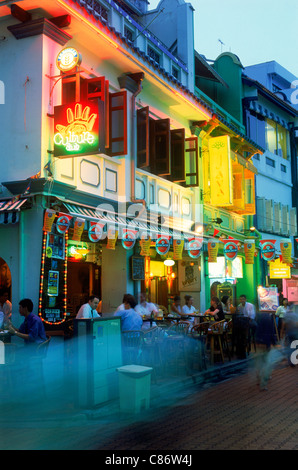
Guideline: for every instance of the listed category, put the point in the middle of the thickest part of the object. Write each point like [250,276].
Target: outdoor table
[5,336]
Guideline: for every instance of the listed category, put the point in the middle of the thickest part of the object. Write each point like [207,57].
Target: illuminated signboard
[79,129]
[68,58]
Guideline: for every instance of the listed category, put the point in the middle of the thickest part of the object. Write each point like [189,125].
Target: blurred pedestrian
[280,313]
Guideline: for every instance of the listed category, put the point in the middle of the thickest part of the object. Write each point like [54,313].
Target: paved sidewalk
[185,414]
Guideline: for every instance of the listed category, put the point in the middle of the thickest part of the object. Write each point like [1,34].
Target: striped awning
[10,210]
[122,222]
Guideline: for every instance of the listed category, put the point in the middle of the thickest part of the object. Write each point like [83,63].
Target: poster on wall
[268,298]
[189,275]
[53,290]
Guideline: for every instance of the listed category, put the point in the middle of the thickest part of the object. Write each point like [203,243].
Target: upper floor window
[154,55]
[256,128]
[175,72]
[128,34]
[276,138]
[99,10]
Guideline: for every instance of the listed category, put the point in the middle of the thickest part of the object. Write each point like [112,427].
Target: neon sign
[76,129]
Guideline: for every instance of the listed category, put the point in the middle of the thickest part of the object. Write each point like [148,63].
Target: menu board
[138,268]
[268,298]
[52,308]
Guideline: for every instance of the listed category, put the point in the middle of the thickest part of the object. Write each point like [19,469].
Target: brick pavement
[233,414]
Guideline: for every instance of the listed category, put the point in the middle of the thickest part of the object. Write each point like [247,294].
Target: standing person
[280,313]
[216,309]
[88,310]
[247,310]
[131,320]
[31,330]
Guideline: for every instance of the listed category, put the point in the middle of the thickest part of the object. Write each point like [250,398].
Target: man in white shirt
[246,309]
[146,310]
[88,310]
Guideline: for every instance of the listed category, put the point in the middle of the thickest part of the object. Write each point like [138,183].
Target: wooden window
[72,88]
[238,186]
[118,123]
[177,156]
[143,137]
[94,88]
[191,162]
[160,163]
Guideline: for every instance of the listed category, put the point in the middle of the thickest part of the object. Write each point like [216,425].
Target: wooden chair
[199,334]
[132,341]
[181,327]
[153,349]
[177,344]
[215,335]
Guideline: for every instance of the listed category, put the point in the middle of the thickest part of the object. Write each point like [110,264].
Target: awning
[10,210]
[121,222]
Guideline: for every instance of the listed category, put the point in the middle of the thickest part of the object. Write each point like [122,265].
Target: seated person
[188,308]
[31,330]
[227,305]
[215,309]
[5,309]
[89,310]
[146,310]
[130,319]
[176,307]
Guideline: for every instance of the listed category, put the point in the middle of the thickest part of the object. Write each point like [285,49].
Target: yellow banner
[145,245]
[112,238]
[221,189]
[249,250]
[279,270]
[286,250]
[49,218]
[178,249]
[212,250]
[78,229]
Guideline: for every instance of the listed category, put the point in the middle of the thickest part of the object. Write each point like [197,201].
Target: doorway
[5,278]
[83,280]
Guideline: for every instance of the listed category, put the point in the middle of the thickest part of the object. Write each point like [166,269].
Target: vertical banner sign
[145,244]
[249,251]
[112,238]
[95,231]
[129,238]
[63,222]
[163,244]
[49,218]
[195,246]
[286,250]
[78,229]
[230,249]
[221,190]
[267,249]
[178,249]
[212,250]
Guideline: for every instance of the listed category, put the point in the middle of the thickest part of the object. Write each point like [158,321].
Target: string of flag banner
[163,243]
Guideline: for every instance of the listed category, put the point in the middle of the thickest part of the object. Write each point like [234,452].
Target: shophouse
[109,158]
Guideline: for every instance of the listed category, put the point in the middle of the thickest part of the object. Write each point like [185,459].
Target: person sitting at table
[147,310]
[188,309]
[32,329]
[121,306]
[227,304]
[215,309]
[130,319]
[176,306]
[89,310]
[5,308]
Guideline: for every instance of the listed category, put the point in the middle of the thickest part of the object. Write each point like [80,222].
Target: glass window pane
[271,142]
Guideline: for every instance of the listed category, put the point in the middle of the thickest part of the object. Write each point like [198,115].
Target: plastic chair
[132,341]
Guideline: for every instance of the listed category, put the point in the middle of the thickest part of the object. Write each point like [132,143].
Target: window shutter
[285,220]
[293,221]
[118,123]
[191,162]
[238,186]
[261,213]
[277,217]
[95,88]
[160,145]
[143,137]
[177,156]
[269,215]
